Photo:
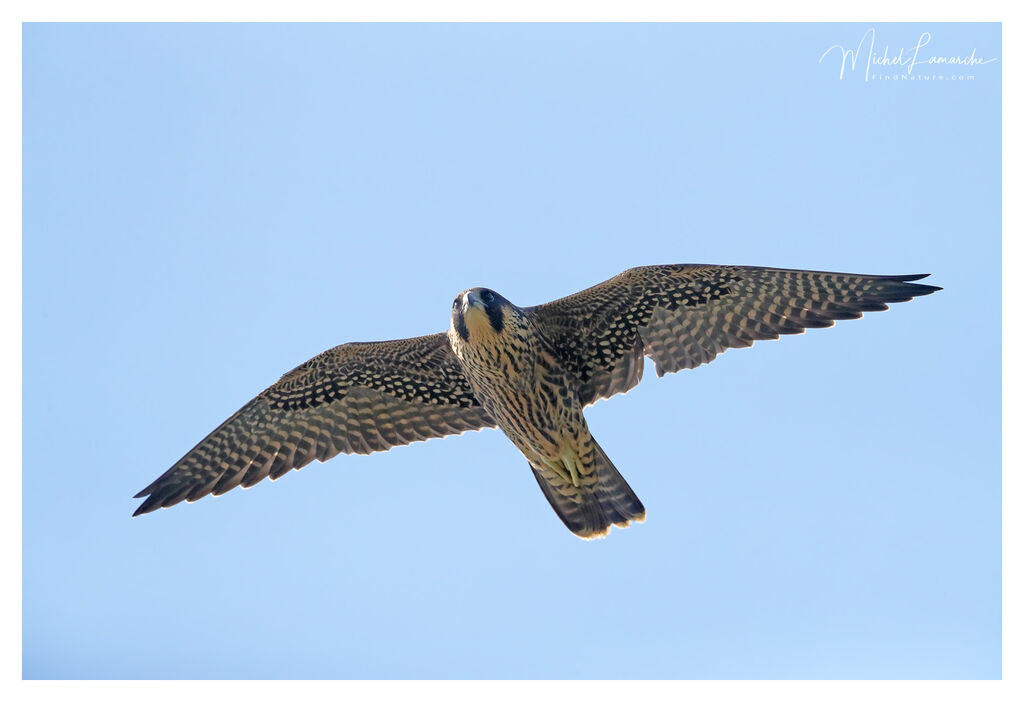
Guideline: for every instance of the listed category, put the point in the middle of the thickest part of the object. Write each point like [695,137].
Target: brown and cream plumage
[529,371]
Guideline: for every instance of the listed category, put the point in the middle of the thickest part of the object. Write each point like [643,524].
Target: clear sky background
[205,207]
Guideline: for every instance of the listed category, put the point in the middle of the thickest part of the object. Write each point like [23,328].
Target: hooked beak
[471,299]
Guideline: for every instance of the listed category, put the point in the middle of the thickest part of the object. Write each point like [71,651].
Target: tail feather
[602,498]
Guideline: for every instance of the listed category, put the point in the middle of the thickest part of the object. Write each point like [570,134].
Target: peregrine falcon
[529,371]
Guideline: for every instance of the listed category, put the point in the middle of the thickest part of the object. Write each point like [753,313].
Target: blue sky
[207,206]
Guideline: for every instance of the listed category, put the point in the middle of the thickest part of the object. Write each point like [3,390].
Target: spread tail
[587,492]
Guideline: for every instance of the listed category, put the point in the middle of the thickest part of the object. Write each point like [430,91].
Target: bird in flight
[529,371]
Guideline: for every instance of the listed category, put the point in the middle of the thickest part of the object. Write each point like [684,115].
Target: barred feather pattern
[602,498]
[684,315]
[354,398]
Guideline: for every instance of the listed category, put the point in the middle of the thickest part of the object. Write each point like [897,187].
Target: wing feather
[354,398]
[682,316]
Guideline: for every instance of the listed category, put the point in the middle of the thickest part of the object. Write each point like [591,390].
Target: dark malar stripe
[496,317]
[460,326]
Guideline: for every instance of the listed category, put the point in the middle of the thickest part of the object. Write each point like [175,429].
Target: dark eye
[487,296]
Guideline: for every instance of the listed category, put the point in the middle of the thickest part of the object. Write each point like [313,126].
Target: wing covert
[354,398]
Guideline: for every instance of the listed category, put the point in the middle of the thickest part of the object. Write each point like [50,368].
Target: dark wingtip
[916,289]
[150,505]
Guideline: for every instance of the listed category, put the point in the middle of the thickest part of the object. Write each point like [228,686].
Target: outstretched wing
[354,398]
[685,315]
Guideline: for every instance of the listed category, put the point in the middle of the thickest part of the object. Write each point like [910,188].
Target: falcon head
[480,313]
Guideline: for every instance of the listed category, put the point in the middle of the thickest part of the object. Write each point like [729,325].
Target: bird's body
[529,371]
[521,382]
